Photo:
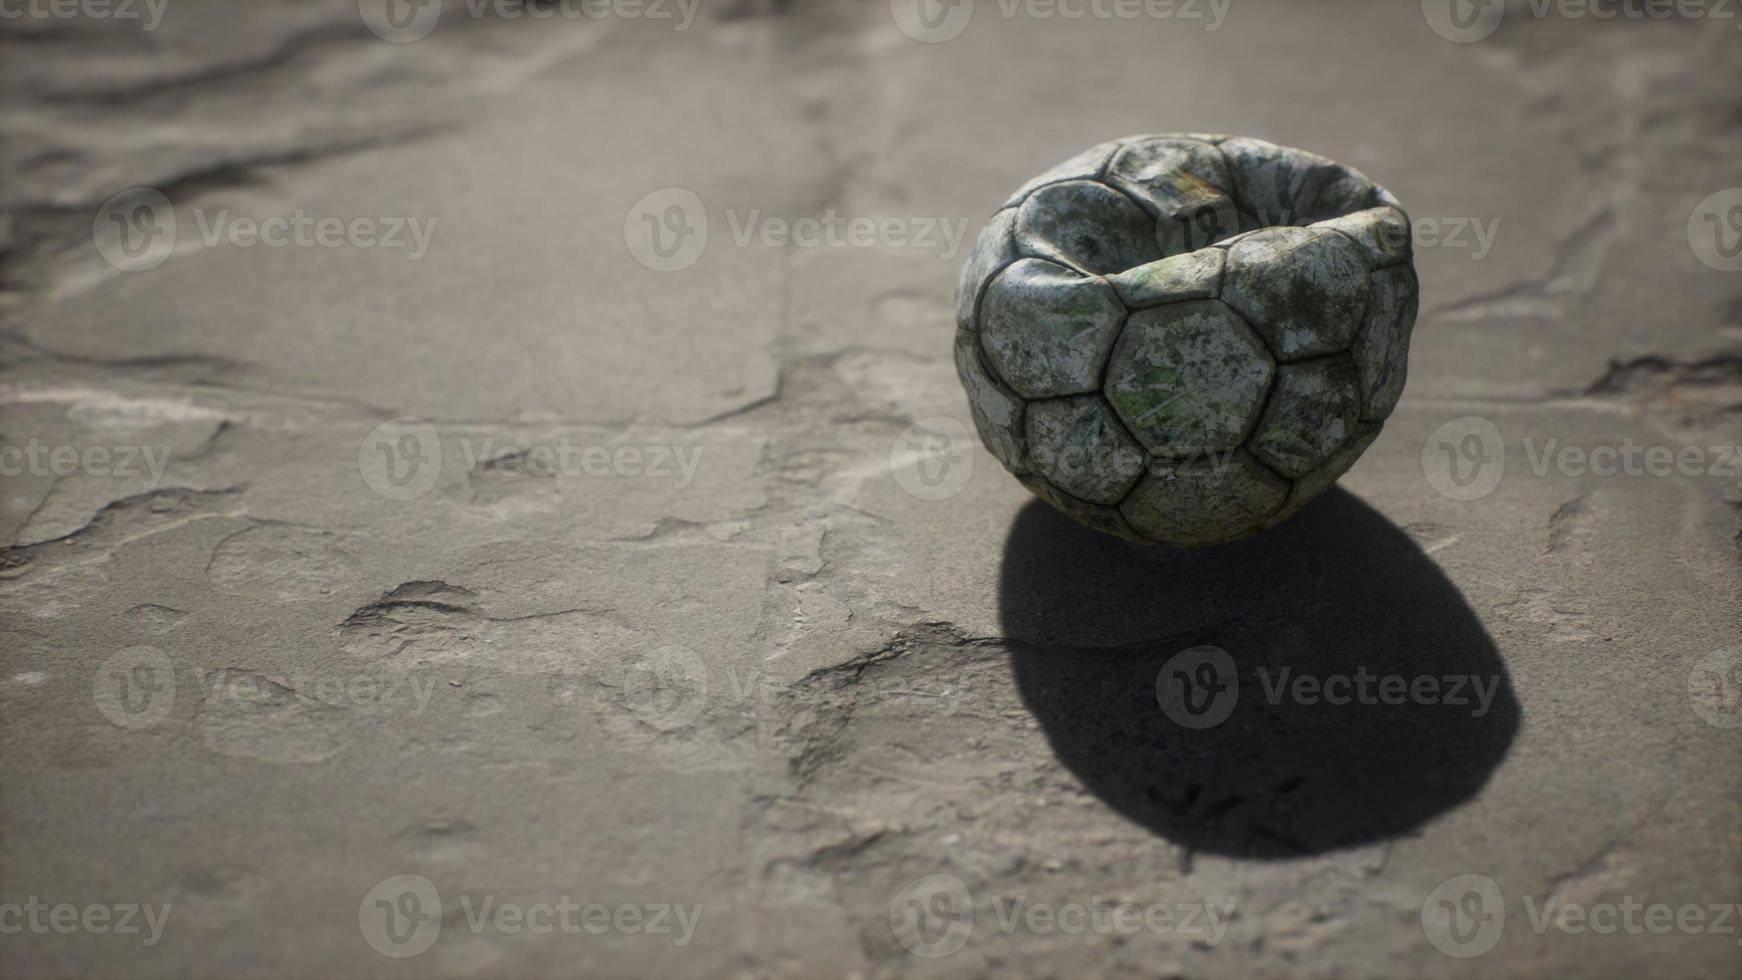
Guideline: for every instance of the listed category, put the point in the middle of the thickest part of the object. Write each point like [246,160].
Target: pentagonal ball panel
[1303,289]
[1087,225]
[1188,377]
[1310,415]
[1204,501]
[1046,330]
[1080,448]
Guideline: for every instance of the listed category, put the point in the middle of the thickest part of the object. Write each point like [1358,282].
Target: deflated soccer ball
[1182,339]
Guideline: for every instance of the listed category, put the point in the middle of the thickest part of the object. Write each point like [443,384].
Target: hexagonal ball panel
[1204,501]
[1188,377]
[1046,330]
[1310,415]
[997,411]
[1080,448]
[1382,350]
[1087,225]
[1303,289]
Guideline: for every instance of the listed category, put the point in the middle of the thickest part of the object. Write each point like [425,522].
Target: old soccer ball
[1182,339]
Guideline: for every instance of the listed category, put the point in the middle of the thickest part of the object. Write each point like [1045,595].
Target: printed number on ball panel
[1182,339]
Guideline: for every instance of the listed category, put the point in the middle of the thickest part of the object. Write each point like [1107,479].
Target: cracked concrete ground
[660,607]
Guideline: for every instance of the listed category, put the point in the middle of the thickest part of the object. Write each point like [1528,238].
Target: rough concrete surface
[666,606]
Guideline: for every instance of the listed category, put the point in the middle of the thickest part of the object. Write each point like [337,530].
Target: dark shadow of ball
[1240,755]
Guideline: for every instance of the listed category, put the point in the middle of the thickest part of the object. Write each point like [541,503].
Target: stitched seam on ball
[986,283]
[1275,386]
[1109,410]
[1117,513]
[1096,176]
